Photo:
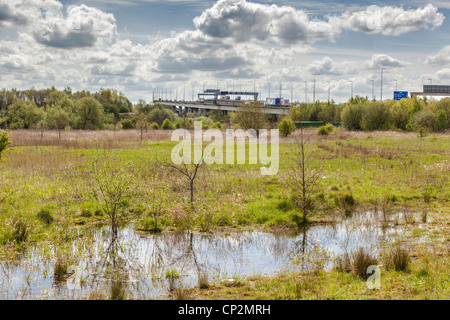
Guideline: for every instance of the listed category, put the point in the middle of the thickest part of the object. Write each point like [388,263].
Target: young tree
[189,170]
[112,189]
[156,190]
[57,119]
[4,142]
[303,176]
[142,124]
[251,115]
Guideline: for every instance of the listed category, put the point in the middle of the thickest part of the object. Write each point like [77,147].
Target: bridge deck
[225,107]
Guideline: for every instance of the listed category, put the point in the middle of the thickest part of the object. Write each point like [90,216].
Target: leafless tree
[303,176]
[189,170]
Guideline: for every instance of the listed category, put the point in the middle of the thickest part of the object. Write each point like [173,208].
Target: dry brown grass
[87,139]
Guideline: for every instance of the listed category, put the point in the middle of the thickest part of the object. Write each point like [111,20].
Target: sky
[145,48]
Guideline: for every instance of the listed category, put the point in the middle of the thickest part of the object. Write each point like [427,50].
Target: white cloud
[328,66]
[443,74]
[383,60]
[441,58]
[391,21]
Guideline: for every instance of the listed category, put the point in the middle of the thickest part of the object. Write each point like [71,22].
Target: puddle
[145,259]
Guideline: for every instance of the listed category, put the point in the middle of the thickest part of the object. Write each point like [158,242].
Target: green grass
[404,168]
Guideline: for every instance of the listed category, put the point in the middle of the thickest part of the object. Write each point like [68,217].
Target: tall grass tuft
[361,261]
[45,215]
[398,260]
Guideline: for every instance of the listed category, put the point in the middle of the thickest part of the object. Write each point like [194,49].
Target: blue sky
[141,47]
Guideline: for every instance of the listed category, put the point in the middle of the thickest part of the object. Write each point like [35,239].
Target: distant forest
[55,109]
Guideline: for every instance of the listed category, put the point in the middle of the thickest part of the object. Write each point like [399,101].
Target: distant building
[433,91]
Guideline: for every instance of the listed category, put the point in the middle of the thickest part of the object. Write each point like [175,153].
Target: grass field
[47,191]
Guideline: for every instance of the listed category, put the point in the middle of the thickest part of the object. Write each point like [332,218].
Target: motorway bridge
[225,106]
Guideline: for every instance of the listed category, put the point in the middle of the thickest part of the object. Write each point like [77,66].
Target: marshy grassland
[50,198]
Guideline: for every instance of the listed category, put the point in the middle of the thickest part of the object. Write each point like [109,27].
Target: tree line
[61,109]
[359,113]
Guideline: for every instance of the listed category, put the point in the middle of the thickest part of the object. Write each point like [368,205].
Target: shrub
[361,261]
[352,116]
[159,114]
[154,126]
[326,129]
[441,121]
[398,260]
[375,117]
[45,215]
[286,127]
[167,125]
[4,142]
[217,125]
[127,124]
[425,119]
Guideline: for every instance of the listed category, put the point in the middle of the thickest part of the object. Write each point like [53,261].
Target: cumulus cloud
[443,74]
[441,58]
[8,15]
[383,60]
[328,66]
[246,21]
[391,21]
[83,27]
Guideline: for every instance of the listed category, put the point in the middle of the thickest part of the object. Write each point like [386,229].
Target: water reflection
[137,265]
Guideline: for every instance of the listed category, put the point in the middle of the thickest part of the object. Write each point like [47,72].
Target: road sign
[399,95]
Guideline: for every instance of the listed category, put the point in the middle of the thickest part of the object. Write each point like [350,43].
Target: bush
[361,261]
[441,121]
[424,119]
[4,142]
[45,215]
[286,127]
[217,125]
[159,114]
[375,117]
[167,125]
[326,129]
[154,126]
[352,116]
[127,124]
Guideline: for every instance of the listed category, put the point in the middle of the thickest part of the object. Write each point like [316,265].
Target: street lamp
[154,92]
[329,87]
[382,83]
[281,83]
[431,81]
[306,91]
[396,87]
[373,87]
[206,81]
[317,74]
[352,87]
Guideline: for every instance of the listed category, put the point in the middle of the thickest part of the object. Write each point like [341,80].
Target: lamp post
[154,92]
[206,81]
[431,81]
[292,92]
[281,84]
[396,87]
[306,91]
[329,87]
[352,88]
[382,83]
[373,87]
[318,74]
